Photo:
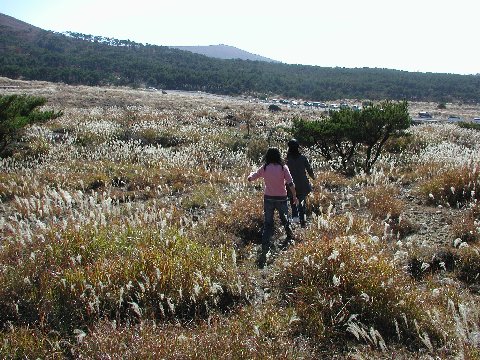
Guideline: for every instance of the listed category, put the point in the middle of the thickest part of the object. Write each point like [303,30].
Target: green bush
[468,125]
[18,111]
[355,137]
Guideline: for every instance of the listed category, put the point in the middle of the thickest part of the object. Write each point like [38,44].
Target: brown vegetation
[128,230]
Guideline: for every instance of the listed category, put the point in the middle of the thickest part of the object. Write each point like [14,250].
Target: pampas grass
[128,230]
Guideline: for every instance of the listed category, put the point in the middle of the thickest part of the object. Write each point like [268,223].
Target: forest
[78,59]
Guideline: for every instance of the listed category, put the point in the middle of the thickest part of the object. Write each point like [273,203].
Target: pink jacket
[275,177]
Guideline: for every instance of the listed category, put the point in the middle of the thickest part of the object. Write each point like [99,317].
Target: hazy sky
[412,35]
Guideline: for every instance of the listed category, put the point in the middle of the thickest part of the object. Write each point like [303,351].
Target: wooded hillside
[35,54]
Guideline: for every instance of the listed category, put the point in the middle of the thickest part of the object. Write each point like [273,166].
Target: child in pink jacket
[275,175]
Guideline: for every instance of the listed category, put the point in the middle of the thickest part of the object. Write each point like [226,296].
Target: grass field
[128,231]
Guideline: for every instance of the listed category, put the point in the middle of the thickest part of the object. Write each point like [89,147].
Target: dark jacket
[299,166]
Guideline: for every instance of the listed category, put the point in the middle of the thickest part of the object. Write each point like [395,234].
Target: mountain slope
[224,52]
[18,25]
[35,54]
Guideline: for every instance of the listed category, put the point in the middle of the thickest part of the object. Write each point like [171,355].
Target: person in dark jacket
[299,168]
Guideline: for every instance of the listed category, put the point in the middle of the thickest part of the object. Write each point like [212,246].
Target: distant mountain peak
[222,51]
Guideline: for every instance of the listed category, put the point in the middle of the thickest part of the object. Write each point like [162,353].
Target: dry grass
[71,278]
[466,226]
[454,187]
[128,230]
[336,294]
[384,204]
[251,333]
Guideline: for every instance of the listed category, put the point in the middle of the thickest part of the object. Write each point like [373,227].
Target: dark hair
[273,156]
[293,148]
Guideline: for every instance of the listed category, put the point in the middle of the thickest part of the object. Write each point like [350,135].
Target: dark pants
[300,209]
[269,207]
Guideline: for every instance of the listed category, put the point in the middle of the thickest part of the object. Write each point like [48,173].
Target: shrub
[468,264]
[256,149]
[421,172]
[202,196]
[421,264]
[18,111]
[331,180]
[329,225]
[228,140]
[323,198]
[88,139]
[74,277]
[464,262]
[350,286]
[383,204]
[261,332]
[149,136]
[168,139]
[34,148]
[469,125]
[274,108]
[239,224]
[25,343]
[14,184]
[355,137]
[399,144]
[454,187]
[467,226]
[178,179]
[318,200]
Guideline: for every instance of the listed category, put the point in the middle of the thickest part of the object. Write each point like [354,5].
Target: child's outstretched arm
[255,175]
